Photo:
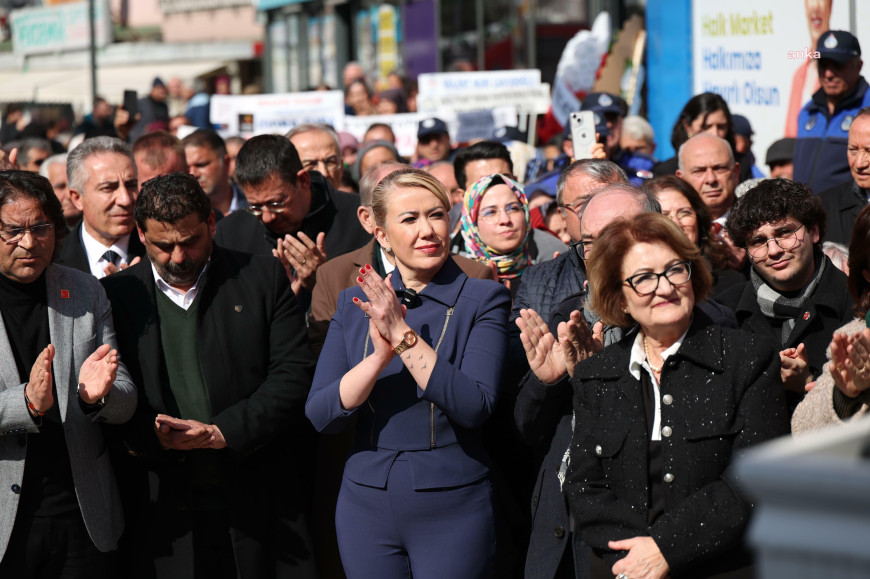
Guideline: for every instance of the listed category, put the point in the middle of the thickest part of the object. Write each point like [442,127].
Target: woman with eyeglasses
[682,205]
[660,414]
[419,376]
[495,229]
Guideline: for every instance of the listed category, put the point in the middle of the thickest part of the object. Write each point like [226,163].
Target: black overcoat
[721,393]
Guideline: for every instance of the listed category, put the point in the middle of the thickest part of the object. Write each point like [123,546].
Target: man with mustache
[103,185]
[216,342]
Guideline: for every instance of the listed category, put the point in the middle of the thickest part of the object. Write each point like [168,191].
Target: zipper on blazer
[432,425]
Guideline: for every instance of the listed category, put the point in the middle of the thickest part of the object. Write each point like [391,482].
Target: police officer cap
[604,103]
[839,46]
[781,151]
[432,126]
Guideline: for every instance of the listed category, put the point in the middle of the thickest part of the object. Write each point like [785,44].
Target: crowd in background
[307,355]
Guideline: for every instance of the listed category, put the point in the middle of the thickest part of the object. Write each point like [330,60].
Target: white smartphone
[582,133]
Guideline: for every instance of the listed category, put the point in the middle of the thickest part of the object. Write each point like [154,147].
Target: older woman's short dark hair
[774,200]
[15,184]
[604,267]
[859,262]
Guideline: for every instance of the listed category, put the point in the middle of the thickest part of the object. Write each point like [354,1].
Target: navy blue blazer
[436,429]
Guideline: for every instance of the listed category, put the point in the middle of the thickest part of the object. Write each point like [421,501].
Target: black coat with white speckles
[721,394]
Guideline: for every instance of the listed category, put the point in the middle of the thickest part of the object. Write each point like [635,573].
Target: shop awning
[74,85]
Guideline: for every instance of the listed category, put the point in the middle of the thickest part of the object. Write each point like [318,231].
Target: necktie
[112,257]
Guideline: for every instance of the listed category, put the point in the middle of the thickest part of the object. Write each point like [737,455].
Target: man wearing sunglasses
[795,294]
[293,214]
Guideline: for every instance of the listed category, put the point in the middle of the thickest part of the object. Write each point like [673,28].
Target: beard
[180,273]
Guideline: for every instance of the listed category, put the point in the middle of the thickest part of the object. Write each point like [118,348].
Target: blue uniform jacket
[436,429]
[820,151]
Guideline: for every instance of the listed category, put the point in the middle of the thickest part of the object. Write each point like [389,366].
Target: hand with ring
[301,257]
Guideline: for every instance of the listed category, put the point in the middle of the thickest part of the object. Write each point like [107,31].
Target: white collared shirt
[388,267]
[96,250]
[638,362]
[178,297]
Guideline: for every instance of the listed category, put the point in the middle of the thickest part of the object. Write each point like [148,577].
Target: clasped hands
[301,258]
[180,434]
[386,315]
[96,377]
[550,358]
[850,362]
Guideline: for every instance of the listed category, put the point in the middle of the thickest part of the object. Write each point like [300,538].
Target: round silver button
[668,399]
[598,449]
[666,431]
[669,478]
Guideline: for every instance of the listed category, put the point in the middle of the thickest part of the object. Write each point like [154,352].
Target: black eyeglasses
[644,284]
[583,248]
[786,239]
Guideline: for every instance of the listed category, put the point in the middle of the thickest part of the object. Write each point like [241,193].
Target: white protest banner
[249,115]
[452,83]
[751,53]
[529,100]
[473,125]
[463,127]
[404,126]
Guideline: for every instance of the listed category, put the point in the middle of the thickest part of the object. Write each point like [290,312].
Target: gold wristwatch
[409,338]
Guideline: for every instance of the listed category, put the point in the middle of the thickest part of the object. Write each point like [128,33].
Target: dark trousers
[56,547]
[212,547]
[398,532]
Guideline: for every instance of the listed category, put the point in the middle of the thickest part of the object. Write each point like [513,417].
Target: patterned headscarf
[512,264]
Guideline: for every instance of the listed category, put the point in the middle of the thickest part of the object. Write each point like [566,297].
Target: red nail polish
[362,270]
[355,300]
[368,266]
[359,279]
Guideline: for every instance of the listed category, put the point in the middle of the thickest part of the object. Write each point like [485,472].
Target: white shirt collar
[388,267]
[94,250]
[180,298]
[638,356]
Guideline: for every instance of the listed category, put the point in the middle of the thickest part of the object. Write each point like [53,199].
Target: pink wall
[222,24]
[139,12]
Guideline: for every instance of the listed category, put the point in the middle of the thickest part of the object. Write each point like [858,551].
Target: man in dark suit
[311,220]
[845,201]
[103,184]
[216,342]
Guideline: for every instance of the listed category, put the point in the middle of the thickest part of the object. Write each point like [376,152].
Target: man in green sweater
[216,342]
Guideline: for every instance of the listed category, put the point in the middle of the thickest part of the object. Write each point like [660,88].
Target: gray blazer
[79,321]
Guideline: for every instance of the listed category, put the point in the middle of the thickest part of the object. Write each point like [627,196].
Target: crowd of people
[304,355]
